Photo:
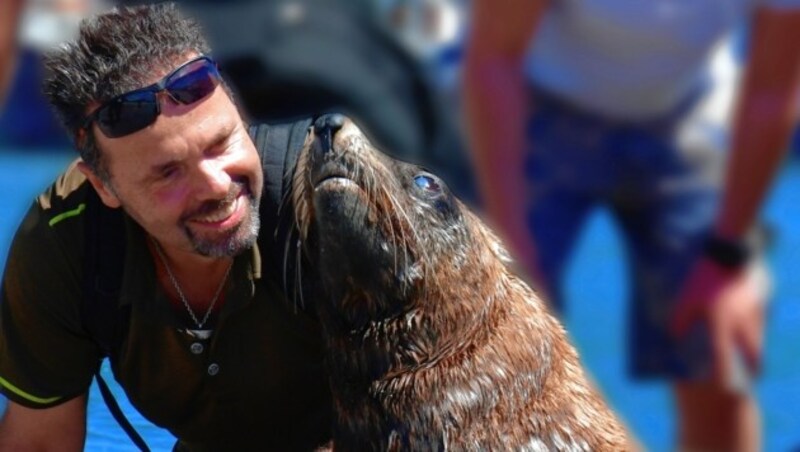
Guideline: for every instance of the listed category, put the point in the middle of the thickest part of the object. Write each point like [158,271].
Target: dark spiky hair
[116,52]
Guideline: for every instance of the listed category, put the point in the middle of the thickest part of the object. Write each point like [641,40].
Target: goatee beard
[240,238]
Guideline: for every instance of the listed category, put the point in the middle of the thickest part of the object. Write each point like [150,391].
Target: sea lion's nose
[326,126]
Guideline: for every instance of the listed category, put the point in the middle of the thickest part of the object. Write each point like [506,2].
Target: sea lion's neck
[414,371]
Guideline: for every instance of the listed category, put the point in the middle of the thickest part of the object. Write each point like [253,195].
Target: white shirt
[634,59]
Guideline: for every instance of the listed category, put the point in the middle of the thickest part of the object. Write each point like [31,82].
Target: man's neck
[197,277]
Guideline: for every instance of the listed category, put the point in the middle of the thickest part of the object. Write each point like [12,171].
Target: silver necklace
[180,292]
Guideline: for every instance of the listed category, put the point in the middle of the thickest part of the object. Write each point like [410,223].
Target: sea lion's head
[430,336]
[385,235]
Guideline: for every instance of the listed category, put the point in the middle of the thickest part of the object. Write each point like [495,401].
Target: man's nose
[213,182]
[325,127]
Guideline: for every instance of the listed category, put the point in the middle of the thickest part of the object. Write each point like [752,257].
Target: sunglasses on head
[135,110]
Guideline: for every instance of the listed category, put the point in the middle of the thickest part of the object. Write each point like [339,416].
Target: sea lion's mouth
[336,182]
[331,170]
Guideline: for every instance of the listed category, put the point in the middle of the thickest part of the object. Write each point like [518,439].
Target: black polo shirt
[256,383]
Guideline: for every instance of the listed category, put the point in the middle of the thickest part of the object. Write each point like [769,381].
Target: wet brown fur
[446,348]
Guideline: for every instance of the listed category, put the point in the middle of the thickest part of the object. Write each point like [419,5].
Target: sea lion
[433,342]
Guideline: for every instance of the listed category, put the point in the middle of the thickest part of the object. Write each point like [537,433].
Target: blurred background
[33,150]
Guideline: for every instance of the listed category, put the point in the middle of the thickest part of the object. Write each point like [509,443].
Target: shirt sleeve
[46,358]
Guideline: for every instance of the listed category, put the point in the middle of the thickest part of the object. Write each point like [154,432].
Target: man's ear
[106,194]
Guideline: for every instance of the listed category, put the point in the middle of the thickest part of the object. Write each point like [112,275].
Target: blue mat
[596,285]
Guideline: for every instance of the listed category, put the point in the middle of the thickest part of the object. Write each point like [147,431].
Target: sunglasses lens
[136,110]
[194,82]
[127,114]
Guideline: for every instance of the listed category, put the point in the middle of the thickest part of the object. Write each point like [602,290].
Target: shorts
[662,192]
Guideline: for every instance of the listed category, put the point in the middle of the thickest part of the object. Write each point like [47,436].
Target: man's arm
[765,119]
[60,428]
[728,300]
[496,111]
[10,13]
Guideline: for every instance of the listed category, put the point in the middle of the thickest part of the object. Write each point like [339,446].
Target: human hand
[731,303]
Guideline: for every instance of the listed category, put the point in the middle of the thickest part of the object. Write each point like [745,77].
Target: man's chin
[224,248]
[231,243]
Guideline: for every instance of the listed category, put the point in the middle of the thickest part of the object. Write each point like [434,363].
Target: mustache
[237,188]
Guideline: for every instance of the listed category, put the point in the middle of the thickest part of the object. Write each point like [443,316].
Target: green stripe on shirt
[64,215]
[25,395]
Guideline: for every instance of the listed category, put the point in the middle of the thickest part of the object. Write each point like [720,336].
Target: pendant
[197,334]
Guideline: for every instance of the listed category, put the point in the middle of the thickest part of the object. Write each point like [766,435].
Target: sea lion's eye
[427,183]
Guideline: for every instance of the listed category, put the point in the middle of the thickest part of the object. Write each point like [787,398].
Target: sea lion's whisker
[392,238]
[403,237]
[299,273]
[401,212]
[285,273]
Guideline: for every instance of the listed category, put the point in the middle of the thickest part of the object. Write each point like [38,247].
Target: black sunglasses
[135,110]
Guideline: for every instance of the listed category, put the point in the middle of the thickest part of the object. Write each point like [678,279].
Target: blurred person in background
[27,30]
[433,31]
[10,11]
[575,104]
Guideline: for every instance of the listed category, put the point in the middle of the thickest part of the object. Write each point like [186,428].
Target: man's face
[192,179]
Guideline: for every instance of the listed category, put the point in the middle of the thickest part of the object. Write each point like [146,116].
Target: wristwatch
[729,254]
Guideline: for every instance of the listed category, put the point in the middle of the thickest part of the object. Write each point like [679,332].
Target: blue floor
[595,318]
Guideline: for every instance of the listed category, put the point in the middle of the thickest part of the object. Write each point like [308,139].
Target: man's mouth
[225,211]
[224,214]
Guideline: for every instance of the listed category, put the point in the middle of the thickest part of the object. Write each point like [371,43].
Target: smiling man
[194,179]
[206,346]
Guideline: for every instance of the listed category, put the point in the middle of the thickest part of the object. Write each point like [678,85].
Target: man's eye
[168,172]
[427,183]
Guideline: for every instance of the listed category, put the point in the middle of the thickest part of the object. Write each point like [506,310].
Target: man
[27,29]
[589,101]
[214,351]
